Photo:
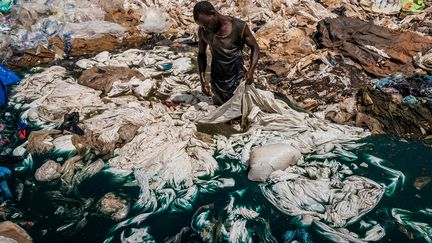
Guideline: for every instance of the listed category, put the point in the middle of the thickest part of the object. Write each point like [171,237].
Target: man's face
[209,22]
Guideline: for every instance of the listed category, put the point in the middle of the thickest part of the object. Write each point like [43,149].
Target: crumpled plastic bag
[113,206]
[154,21]
[8,77]
[268,158]
[49,171]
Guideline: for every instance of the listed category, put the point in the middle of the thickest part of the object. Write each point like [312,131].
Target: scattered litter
[364,165]
[421,182]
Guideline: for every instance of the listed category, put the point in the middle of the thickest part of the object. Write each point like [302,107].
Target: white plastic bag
[269,158]
[154,21]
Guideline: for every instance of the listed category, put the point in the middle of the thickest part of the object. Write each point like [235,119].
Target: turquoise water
[413,159]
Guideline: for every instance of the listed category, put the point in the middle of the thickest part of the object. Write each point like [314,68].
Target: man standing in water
[226,37]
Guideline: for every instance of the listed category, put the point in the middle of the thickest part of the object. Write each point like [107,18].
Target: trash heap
[143,112]
[39,32]
[302,55]
[138,121]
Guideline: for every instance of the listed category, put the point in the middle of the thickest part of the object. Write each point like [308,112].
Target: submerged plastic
[323,194]
[300,234]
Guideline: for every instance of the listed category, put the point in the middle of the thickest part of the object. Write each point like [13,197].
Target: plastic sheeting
[78,19]
[103,78]
[115,127]
[53,94]
[92,29]
[273,121]
[324,193]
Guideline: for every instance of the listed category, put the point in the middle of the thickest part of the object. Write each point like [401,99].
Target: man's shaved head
[203,7]
[205,15]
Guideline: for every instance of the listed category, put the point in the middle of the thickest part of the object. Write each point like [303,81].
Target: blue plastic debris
[333,63]
[300,234]
[5,5]
[410,100]
[22,124]
[166,66]
[7,77]
[389,81]
[5,193]
[67,43]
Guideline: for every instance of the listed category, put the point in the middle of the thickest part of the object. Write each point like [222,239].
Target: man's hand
[205,88]
[249,77]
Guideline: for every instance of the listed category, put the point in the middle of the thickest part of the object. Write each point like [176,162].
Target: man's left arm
[251,42]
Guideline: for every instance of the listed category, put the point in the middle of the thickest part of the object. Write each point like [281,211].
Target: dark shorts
[222,92]
[220,97]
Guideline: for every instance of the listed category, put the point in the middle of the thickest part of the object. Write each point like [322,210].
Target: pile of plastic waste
[38,32]
[298,57]
[143,128]
[123,138]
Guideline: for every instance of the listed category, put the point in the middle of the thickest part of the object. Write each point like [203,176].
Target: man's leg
[217,96]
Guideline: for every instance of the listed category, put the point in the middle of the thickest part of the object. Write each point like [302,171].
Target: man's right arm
[202,63]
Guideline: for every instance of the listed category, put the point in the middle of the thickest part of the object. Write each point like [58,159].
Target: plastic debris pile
[42,31]
[297,59]
[155,133]
[137,121]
